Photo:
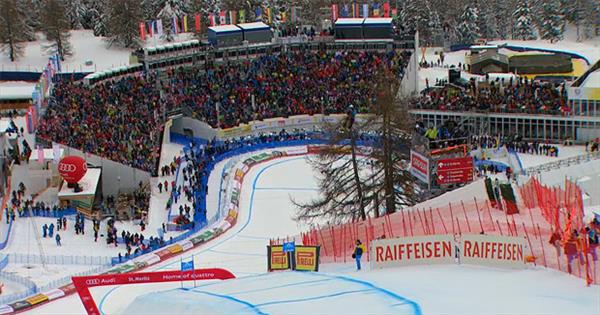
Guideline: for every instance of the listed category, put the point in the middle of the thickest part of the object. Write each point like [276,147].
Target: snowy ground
[42,276]
[86,47]
[265,212]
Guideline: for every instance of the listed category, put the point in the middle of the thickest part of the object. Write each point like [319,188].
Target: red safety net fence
[534,222]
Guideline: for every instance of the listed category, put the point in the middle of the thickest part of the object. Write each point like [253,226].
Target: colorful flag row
[346,11]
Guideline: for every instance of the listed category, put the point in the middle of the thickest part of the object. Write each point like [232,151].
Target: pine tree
[501,18]
[95,17]
[13,29]
[150,9]
[205,8]
[75,12]
[591,18]
[32,16]
[467,29]
[55,26]
[435,29]
[552,25]
[523,27]
[123,21]
[486,20]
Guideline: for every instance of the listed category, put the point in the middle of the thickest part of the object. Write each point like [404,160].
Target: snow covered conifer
[523,27]
[551,22]
[123,21]
[467,29]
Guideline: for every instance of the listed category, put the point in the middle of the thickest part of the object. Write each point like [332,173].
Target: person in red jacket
[572,248]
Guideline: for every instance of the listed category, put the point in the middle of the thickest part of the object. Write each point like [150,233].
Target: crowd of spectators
[120,120]
[511,96]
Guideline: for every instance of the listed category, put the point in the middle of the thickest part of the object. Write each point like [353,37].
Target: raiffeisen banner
[418,250]
[493,250]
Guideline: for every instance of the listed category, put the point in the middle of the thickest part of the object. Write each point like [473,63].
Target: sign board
[455,171]
[306,258]
[493,250]
[419,166]
[187,265]
[277,258]
[418,250]
[289,247]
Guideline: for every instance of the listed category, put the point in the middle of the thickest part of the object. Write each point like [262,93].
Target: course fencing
[30,287]
[59,259]
[471,217]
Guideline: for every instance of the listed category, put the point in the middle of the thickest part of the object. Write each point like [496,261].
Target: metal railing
[59,259]
[575,160]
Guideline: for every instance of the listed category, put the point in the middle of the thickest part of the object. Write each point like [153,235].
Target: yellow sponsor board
[235,131]
[278,259]
[37,299]
[306,258]
[584,93]
[175,249]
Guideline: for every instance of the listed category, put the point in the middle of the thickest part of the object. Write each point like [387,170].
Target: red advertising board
[419,166]
[455,171]
[82,284]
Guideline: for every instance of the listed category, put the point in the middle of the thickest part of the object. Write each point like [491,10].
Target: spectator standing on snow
[64,223]
[357,254]
[58,240]
[160,185]
[45,230]
[51,230]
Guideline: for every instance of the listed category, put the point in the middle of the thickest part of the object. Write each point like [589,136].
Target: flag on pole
[222,19]
[212,20]
[365,10]
[269,16]
[150,29]
[174,26]
[355,12]
[376,10]
[197,22]
[394,12]
[143,31]
[159,28]
[40,154]
[345,11]
[283,17]
[294,15]
[334,13]
[258,13]
[185,23]
[56,153]
[233,17]
[386,9]
[242,16]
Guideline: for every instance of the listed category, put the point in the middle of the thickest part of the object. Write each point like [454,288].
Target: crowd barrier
[50,214]
[30,287]
[3,262]
[59,259]
[464,217]
[6,235]
[553,165]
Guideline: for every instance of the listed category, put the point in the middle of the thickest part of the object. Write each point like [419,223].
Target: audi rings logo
[92,281]
[67,167]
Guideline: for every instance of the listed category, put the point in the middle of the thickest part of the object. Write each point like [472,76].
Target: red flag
[222,19]
[143,31]
[211,17]
[386,9]
[197,22]
[334,12]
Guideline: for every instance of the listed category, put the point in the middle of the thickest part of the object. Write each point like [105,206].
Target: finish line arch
[82,284]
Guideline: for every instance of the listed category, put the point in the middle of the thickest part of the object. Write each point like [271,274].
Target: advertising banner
[234,132]
[277,258]
[493,250]
[418,250]
[419,166]
[37,299]
[297,150]
[82,284]
[54,294]
[454,171]
[306,258]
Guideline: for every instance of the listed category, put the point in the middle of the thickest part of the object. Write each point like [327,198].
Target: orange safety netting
[543,209]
